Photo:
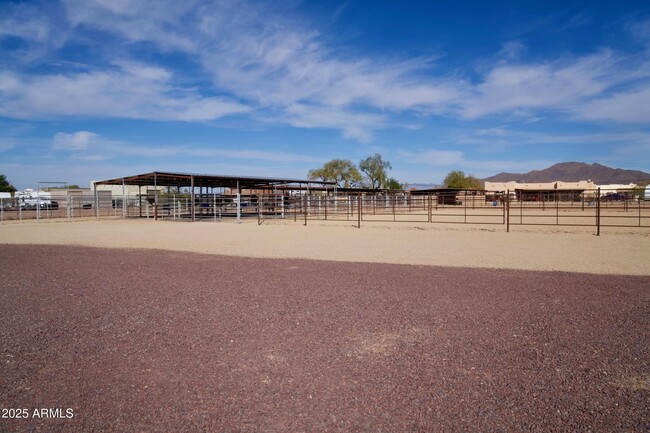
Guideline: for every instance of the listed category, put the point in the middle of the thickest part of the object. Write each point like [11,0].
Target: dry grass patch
[635,383]
[385,343]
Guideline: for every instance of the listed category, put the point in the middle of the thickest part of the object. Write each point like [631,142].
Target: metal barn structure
[201,195]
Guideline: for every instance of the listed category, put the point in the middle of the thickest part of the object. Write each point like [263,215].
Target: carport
[208,183]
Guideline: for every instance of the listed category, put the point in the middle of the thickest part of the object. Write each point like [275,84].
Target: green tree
[458,179]
[341,171]
[393,183]
[5,185]
[376,170]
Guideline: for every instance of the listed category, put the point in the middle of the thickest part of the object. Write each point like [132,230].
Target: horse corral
[193,197]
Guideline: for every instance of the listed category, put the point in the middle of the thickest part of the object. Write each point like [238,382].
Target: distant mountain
[573,172]
[420,185]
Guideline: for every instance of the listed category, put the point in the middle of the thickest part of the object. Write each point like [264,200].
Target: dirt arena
[153,340]
[622,251]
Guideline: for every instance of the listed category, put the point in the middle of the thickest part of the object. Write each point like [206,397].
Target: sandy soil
[573,249]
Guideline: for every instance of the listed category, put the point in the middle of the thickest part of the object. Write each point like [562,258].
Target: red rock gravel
[135,340]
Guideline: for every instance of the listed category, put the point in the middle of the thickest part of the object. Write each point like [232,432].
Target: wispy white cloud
[437,158]
[91,146]
[440,162]
[357,126]
[136,92]
[545,86]
[631,106]
[524,137]
[142,21]
[276,64]
[624,148]
[497,131]
[640,29]
[273,67]
[25,22]
[511,49]
[6,144]
[80,140]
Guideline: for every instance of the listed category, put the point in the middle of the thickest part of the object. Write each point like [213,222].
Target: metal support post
[598,212]
[465,207]
[507,205]
[282,206]
[96,200]
[238,202]
[359,210]
[123,199]
[192,198]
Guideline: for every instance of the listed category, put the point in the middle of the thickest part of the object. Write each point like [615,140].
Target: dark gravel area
[158,341]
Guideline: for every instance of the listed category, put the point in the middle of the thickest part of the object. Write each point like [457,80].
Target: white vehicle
[30,199]
[5,200]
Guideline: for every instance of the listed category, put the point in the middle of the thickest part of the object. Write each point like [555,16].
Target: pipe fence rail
[590,208]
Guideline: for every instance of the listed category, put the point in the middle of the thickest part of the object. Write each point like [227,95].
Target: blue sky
[96,89]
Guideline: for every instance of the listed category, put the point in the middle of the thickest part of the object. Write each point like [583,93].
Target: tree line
[375,175]
[371,172]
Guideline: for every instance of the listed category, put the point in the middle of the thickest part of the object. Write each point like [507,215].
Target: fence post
[598,212]
[359,210]
[507,205]
[124,199]
[281,205]
[465,207]
[429,205]
[96,201]
[306,206]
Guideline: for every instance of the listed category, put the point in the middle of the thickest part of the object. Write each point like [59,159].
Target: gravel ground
[137,340]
